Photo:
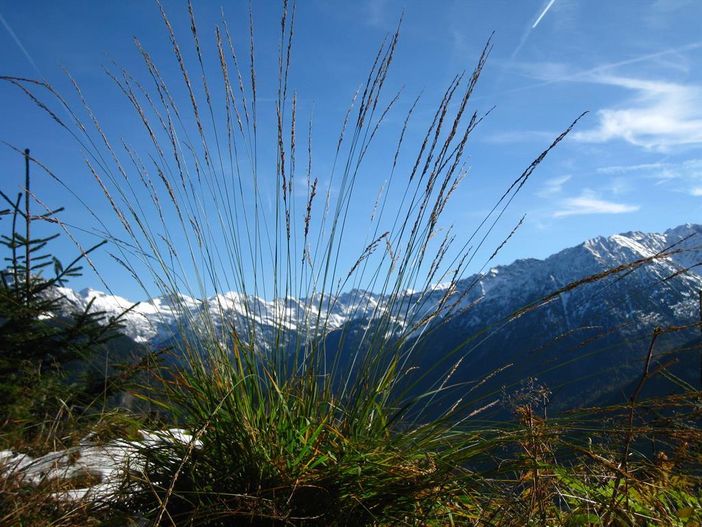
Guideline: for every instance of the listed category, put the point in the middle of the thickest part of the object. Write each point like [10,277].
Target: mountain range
[584,344]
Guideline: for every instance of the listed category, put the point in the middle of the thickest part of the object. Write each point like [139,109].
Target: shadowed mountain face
[585,345]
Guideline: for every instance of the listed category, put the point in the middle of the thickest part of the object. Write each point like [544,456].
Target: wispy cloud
[682,176]
[624,169]
[658,114]
[661,114]
[549,73]
[553,186]
[589,203]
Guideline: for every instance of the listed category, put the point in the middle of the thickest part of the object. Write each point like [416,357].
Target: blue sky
[633,163]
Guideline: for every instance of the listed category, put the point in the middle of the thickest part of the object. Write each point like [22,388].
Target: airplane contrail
[584,75]
[543,13]
[528,30]
[20,45]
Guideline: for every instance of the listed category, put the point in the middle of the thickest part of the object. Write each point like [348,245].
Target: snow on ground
[105,464]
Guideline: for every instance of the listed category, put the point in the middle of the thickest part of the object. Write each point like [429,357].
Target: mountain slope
[587,342]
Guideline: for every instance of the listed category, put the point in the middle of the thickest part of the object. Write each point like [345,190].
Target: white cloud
[696,191]
[656,115]
[589,203]
[661,115]
[553,186]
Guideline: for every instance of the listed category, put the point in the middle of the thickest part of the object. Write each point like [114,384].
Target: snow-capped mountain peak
[504,287]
